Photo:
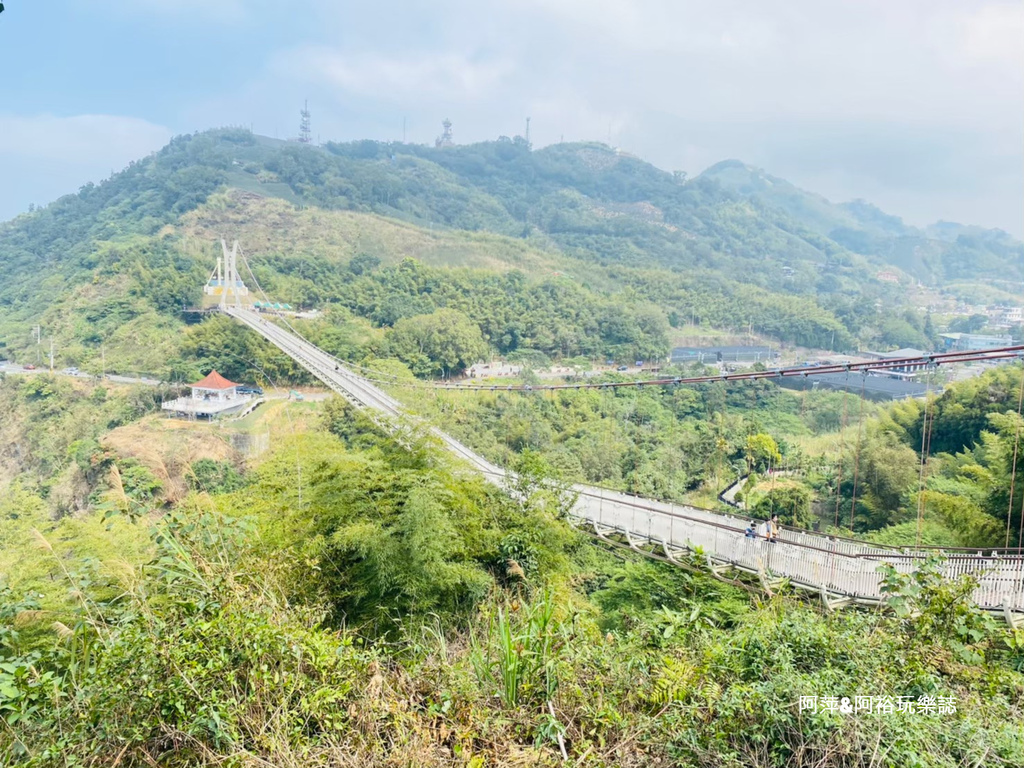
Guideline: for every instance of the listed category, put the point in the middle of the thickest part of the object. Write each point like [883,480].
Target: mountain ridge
[615,227]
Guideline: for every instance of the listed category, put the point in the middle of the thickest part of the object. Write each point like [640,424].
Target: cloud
[424,76]
[80,139]
[993,33]
[51,156]
[911,103]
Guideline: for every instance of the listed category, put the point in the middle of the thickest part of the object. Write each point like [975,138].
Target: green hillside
[942,253]
[604,255]
[345,598]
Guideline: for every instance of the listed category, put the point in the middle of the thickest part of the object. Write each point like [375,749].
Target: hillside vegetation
[106,270]
[346,599]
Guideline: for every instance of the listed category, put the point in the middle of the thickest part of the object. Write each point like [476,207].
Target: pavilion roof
[214,380]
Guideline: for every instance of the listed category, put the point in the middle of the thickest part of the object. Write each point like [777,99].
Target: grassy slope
[269,225]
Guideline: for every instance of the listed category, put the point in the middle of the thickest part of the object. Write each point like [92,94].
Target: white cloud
[995,33]
[648,26]
[918,103]
[80,139]
[432,75]
[51,156]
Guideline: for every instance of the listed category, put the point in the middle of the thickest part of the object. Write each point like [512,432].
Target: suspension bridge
[841,571]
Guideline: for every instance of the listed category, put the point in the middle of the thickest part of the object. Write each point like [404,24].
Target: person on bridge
[773,528]
[751,532]
[763,530]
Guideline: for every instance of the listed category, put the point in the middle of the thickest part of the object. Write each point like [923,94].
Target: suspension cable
[856,454]
[842,448]
[925,446]
[1013,466]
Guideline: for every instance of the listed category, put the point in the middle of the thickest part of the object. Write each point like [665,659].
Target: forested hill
[942,252]
[589,197]
[641,248]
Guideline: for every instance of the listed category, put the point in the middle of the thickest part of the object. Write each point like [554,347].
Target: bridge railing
[836,566]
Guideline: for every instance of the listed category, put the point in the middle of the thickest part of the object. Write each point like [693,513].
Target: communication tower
[445,139]
[305,136]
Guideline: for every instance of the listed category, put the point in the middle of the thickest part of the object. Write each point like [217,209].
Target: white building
[212,396]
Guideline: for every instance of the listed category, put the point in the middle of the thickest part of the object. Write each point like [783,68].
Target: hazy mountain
[943,252]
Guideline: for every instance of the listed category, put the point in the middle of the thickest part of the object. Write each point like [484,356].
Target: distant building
[888,276]
[737,354]
[899,354]
[972,342]
[1011,315]
[873,387]
[212,396]
[490,370]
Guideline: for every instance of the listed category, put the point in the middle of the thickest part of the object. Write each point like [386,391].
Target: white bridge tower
[225,285]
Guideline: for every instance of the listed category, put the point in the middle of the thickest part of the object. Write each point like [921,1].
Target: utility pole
[38,352]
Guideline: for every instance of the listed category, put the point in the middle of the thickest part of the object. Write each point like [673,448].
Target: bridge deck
[835,567]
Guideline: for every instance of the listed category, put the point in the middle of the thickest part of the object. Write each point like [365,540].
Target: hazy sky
[915,105]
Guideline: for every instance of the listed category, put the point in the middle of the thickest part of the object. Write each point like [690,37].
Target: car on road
[71,371]
[622,368]
[29,367]
[249,390]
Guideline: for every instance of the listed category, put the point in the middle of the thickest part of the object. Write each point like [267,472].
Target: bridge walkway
[840,570]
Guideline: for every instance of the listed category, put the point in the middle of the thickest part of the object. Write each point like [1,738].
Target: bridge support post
[671,553]
[1013,620]
[833,605]
[716,570]
[629,539]
[769,585]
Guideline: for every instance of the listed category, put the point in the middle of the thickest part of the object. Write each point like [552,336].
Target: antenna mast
[305,135]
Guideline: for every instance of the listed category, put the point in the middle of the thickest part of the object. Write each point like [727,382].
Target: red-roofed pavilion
[212,396]
[214,382]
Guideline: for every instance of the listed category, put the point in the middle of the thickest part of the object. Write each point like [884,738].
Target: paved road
[16,369]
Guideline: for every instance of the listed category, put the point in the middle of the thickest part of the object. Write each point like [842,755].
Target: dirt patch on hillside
[167,447]
[777,484]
